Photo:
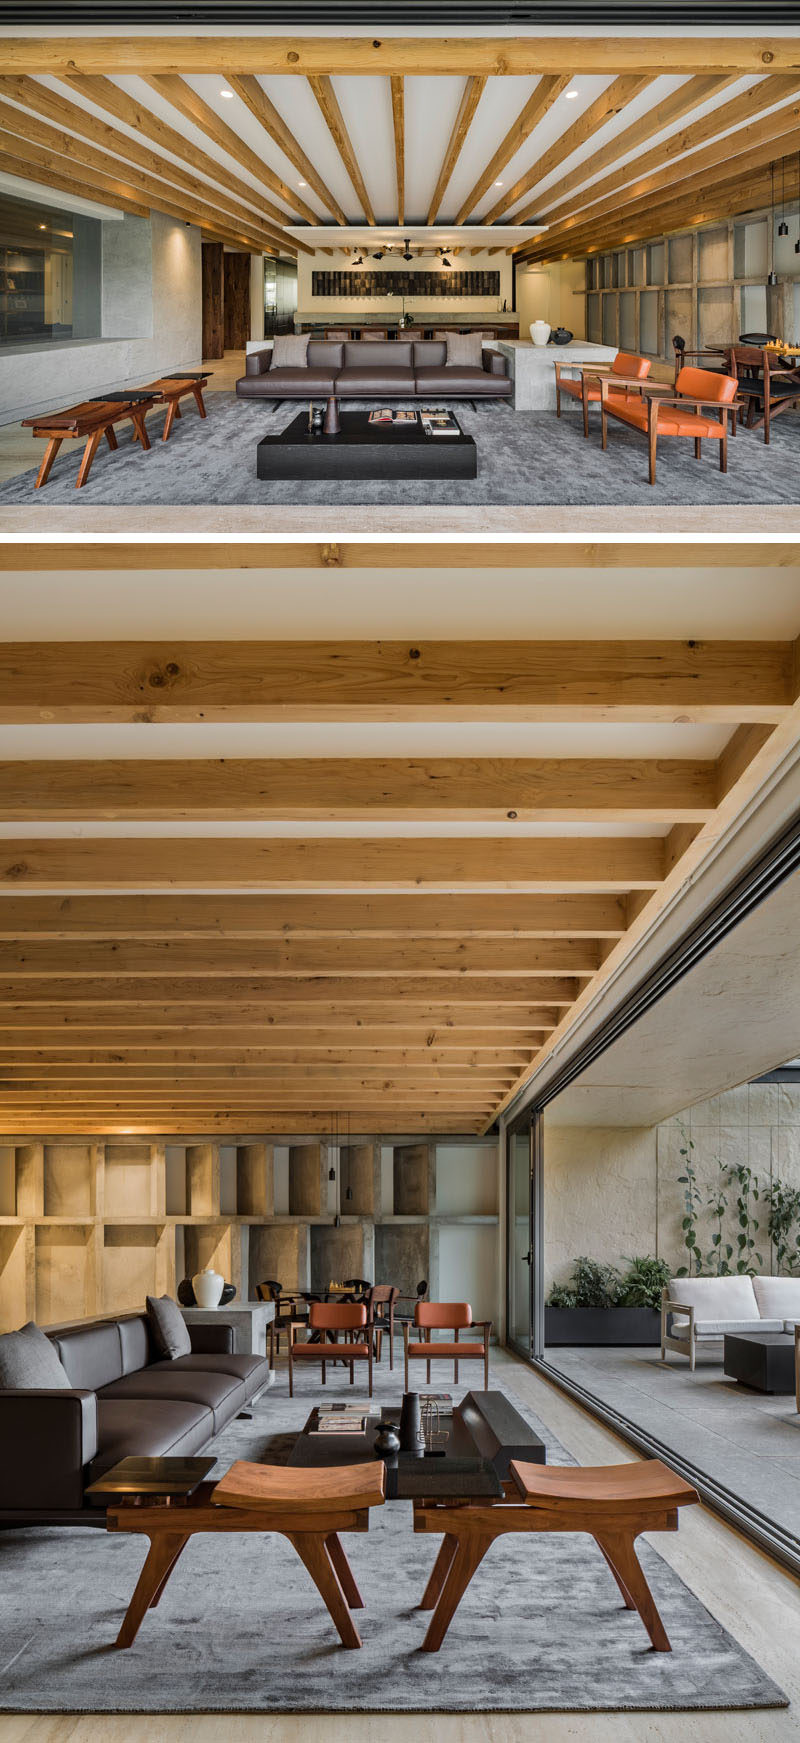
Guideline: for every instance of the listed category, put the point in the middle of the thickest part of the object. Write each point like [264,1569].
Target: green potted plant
[602,1305]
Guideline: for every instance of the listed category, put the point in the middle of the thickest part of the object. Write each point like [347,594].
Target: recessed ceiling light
[302,184]
[42,226]
[571,95]
[499,184]
[226,93]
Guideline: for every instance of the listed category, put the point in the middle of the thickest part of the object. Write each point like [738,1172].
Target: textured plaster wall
[612,1192]
[151,322]
[548,293]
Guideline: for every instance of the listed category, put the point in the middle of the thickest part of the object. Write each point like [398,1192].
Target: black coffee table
[365,450]
[477,1443]
[763,1360]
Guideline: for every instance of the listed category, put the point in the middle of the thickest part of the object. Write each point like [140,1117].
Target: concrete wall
[151,322]
[613,1192]
[443,305]
[552,293]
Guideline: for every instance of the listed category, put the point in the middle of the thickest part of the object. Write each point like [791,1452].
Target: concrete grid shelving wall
[92,1226]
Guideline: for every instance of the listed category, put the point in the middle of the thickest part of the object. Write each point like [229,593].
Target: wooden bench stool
[613,1503]
[94,419]
[169,390]
[309,1507]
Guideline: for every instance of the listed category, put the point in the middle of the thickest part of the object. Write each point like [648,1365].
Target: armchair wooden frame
[590,373]
[756,389]
[328,1320]
[612,1503]
[428,1315]
[684,1343]
[657,396]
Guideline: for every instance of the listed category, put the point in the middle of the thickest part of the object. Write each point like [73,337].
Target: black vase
[185,1293]
[331,425]
[228,1294]
[412,1439]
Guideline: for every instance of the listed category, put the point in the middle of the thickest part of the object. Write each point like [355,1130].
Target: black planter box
[602,1325]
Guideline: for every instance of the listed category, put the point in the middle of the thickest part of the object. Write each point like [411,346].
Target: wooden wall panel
[213,296]
[236,301]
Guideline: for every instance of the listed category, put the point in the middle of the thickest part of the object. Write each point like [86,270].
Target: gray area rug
[525,459]
[241,1628]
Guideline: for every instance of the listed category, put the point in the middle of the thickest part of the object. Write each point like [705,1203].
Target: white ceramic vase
[540,332]
[208,1286]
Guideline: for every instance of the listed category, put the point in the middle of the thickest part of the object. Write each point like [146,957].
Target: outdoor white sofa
[700,1310]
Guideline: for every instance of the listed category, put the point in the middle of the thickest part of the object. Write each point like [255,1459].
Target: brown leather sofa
[123,1400]
[374,369]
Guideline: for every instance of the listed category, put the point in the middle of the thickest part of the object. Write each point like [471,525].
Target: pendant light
[783,228]
[772,276]
[797,243]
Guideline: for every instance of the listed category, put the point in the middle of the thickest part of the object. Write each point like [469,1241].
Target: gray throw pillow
[168,1327]
[465,349]
[29,1361]
[289,351]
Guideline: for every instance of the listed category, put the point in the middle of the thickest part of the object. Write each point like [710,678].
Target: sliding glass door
[524,1200]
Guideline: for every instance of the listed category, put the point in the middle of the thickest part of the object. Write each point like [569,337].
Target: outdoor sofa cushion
[778,1297]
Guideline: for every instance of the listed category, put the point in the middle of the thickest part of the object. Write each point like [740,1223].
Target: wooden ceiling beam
[70,682]
[667,113]
[328,102]
[546,865]
[64,114]
[447,991]
[182,97]
[399,129]
[739,111]
[610,103]
[65,153]
[542,98]
[371,1122]
[248,1026]
[299,957]
[269,1059]
[474,87]
[290,916]
[106,95]
[498,57]
[260,105]
[463,789]
[19,553]
[105,190]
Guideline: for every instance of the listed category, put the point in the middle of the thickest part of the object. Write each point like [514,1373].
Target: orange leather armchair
[584,381]
[686,412]
[329,1319]
[455,1316]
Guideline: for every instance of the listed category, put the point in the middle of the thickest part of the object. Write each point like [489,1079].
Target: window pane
[50,274]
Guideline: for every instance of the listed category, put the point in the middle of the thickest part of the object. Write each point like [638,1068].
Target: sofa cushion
[289,351]
[375,353]
[353,383]
[286,384]
[91,1354]
[253,1371]
[716,1298]
[470,383]
[465,350]
[128,1429]
[326,354]
[136,1343]
[778,1297]
[169,1328]
[29,1361]
[223,1394]
[719,1328]
[429,354]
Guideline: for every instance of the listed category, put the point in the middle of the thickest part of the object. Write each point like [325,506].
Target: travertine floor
[748,1593]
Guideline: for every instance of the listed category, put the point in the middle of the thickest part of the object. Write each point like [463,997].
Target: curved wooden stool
[613,1503]
[309,1507]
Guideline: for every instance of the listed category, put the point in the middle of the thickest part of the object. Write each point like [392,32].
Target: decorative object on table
[412,1439]
[387,1439]
[315,424]
[539,332]
[331,425]
[562,336]
[208,1286]
[186,1295]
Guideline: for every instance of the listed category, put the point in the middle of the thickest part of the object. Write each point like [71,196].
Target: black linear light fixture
[783,228]
[772,276]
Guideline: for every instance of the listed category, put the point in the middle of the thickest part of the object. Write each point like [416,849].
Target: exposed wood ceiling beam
[182,97]
[101,188]
[260,105]
[68,556]
[463,789]
[664,114]
[277,1025]
[189,1056]
[739,111]
[67,154]
[220,207]
[470,98]
[611,102]
[291,916]
[542,98]
[399,127]
[421,56]
[238,1128]
[326,97]
[106,95]
[318,991]
[548,864]
[735,682]
[299,957]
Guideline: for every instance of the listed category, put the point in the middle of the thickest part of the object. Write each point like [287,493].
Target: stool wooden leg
[626,1596]
[439,1572]
[92,445]
[111,438]
[315,1558]
[140,431]
[172,414]
[343,1571]
[198,399]
[621,1555]
[468,1557]
[160,1592]
[49,456]
[161,1558]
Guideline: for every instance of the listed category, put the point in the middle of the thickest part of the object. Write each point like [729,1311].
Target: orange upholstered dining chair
[584,382]
[329,1318]
[685,412]
[454,1316]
